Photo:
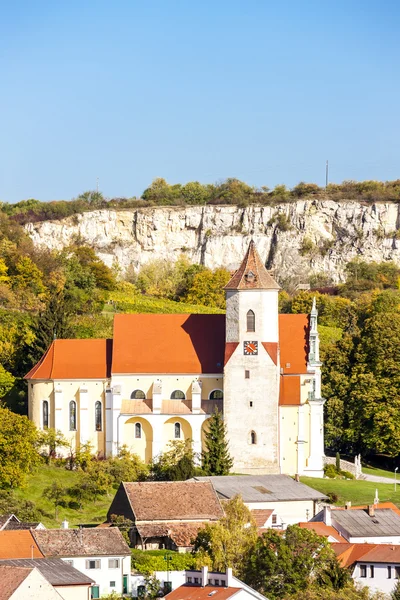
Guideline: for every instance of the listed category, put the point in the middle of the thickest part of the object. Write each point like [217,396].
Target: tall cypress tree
[216,457]
[54,322]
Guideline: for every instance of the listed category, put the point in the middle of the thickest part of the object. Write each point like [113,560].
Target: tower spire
[252,274]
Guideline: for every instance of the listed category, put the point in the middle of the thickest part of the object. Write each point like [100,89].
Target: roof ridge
[252,273]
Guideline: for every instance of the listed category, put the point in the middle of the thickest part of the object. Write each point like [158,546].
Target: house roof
[382,553]
[172,343]
[182,534]
[262,488]
[196,592]
[324,530]
[173,500]
[74,359]
[358,523]
[261,516]
[11,578]
[81,542]
[18,544]
[293,339]
[252,274]
[56,571]
[348,554]
[365,507]
[13,525]
[5,519]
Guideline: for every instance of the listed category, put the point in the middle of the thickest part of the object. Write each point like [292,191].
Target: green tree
[175,464]
[216,457]
[208,288]
[227,542]
[280,565]
[152,587]
[56,493]
[127,466]
[51,439]
[6,381]
[395,595]
[54,322]
[18,454]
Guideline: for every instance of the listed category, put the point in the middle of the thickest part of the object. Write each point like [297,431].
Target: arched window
[177,431]
[177,395]
[138,430]
[216,395]
[45,415]
[98,416]
[138,395]
[253,437]
[72,415]
[251,321]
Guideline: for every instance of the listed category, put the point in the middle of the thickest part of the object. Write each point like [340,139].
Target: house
[290,500]
[12,522]
[101,554]
[166,514]
[23,583]
[162,376]
[358,525]
[374,565]
[67,581]
[18,544]
[201,585]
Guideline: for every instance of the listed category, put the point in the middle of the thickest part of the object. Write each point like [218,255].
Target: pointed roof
[252,274]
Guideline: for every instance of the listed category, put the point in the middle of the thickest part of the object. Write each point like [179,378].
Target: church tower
[251,373]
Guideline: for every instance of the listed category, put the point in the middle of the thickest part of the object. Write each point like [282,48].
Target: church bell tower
[251,372]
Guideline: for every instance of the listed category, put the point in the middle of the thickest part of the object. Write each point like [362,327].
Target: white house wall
[104,575]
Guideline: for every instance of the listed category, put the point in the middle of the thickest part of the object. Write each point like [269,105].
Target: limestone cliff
[296,240]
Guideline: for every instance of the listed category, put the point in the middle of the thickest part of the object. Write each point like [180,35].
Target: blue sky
[126,91]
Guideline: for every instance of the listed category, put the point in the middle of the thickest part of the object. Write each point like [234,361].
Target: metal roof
[263,488]
[358,523]
[55,570]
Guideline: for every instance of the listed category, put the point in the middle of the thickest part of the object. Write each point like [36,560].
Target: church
[162,376]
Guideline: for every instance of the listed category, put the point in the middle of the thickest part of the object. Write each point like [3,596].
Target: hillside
[307,239]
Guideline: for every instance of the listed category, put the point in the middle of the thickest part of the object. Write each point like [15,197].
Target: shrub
[307,246]
[330,471]
[333,497]
[148,561]
[347,474]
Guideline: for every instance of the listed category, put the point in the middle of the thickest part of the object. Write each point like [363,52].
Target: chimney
[229,577]
[371,510]
[204,576]
[297,478]
[327,515]
[64,524]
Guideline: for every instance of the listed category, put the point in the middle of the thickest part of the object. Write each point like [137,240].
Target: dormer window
[251,321]
[250,277]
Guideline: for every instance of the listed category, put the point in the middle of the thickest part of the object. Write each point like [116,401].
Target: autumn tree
[176,463]
[227,542]
[6,381]
[216,457]
[208,288]
[18,454]
[51,439]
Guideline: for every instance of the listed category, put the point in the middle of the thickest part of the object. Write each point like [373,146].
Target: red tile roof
[252,274]
[81,542]
[365,507]
[182,534]
[154,343]
[11,578]
[324,530]
[261,516]
[74,359]
[348,554]
[196,592]
[18,544]
[173,500]
[293,338]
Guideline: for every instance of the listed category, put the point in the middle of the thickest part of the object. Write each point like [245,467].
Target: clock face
[250,348]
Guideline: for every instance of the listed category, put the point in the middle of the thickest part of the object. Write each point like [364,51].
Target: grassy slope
[92,512]
[357,492]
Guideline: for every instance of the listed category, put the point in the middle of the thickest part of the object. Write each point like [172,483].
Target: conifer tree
[216,457]
[52,323]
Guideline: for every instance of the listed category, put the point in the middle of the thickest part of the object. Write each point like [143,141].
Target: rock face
[297,240]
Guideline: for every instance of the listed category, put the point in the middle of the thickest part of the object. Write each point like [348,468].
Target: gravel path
[378,479]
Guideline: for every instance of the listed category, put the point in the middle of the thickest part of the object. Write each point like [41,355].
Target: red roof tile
[348,554]
[154,343]
[252,274]
[11,578]
[18,544]
[272,349]
[196,592]
[293,338]
[261,516]
[74,359]
[324,530]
